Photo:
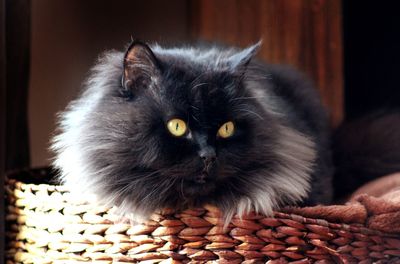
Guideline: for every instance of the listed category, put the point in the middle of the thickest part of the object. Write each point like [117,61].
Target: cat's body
[114,139]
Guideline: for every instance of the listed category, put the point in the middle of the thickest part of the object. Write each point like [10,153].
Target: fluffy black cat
[178,127]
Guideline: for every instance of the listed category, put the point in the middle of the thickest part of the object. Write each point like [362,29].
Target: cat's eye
[177,127]
[226,130]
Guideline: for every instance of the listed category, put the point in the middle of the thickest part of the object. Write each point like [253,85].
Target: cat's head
[175,128]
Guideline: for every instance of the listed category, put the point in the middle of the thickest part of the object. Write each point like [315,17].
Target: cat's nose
[207,154]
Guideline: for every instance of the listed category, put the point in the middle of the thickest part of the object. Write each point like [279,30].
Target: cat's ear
[140,67]
[240,60]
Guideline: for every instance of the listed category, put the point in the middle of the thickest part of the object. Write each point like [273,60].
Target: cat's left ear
[240,60]
[140,67]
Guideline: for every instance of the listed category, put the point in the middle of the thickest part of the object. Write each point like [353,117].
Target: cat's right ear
[140,67]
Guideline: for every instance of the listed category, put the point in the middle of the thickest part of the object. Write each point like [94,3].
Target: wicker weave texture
[45,225]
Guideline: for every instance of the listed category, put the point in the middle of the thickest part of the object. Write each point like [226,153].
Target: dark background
[371,56]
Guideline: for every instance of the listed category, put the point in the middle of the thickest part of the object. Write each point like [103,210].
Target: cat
[160,127]
[365,148]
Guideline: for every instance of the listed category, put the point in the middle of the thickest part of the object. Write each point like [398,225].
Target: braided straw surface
[46,225]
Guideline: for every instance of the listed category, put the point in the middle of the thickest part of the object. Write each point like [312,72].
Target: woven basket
[44,225]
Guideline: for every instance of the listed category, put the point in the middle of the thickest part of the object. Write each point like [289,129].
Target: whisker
[248,97]
[195,118]
[181,189]
[197,78]
[251,112]
[198,85]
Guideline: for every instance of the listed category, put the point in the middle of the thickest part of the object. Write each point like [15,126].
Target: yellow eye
[177,127]
[226,130]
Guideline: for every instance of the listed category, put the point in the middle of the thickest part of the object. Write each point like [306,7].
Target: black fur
[365,149]
[116,131]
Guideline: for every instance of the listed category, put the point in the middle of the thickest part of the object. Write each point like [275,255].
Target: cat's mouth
[203,178]
[200,185]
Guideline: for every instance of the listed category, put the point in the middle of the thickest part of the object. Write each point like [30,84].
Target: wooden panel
[303,33]
[2,123]
[17,68]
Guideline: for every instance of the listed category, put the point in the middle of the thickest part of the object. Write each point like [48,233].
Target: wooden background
[306,34]
[2,122]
